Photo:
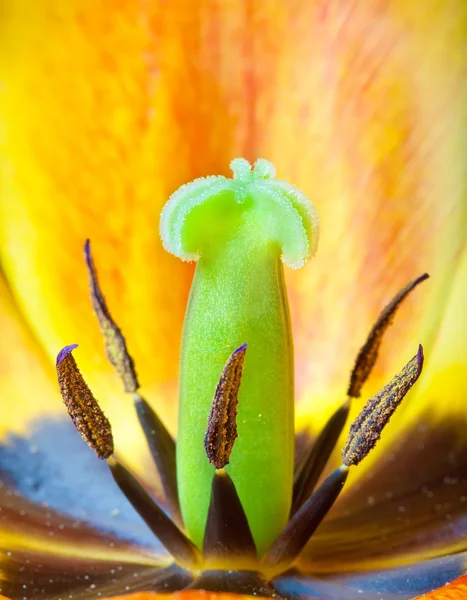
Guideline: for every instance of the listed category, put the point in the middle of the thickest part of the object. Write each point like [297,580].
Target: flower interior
[236,509]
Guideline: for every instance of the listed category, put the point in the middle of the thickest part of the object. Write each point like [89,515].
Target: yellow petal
[26,384]
[443,386]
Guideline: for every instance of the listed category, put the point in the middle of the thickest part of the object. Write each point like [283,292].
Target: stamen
[222,427]
[227,532]
[170,536]
[115,344]
[162,447]
[365,431]
[160,442]
[85,412]
[369,352]
[303,524]
[315,460]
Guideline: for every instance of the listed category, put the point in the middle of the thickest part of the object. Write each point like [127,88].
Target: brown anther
[366,430]
[369,352]
[87,416]
[115,344]
[222,424]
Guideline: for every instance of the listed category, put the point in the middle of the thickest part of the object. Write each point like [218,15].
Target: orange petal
[21,354]
[457,590]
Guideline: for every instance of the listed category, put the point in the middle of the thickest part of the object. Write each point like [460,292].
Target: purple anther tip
[87,250]
[241,348]
[420,357]
[64,352]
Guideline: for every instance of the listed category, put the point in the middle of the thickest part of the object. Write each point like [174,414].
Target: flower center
[227,534]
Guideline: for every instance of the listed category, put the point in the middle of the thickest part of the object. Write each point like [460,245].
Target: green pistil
[239,230]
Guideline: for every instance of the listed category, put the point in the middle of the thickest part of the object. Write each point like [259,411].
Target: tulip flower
[106,110]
